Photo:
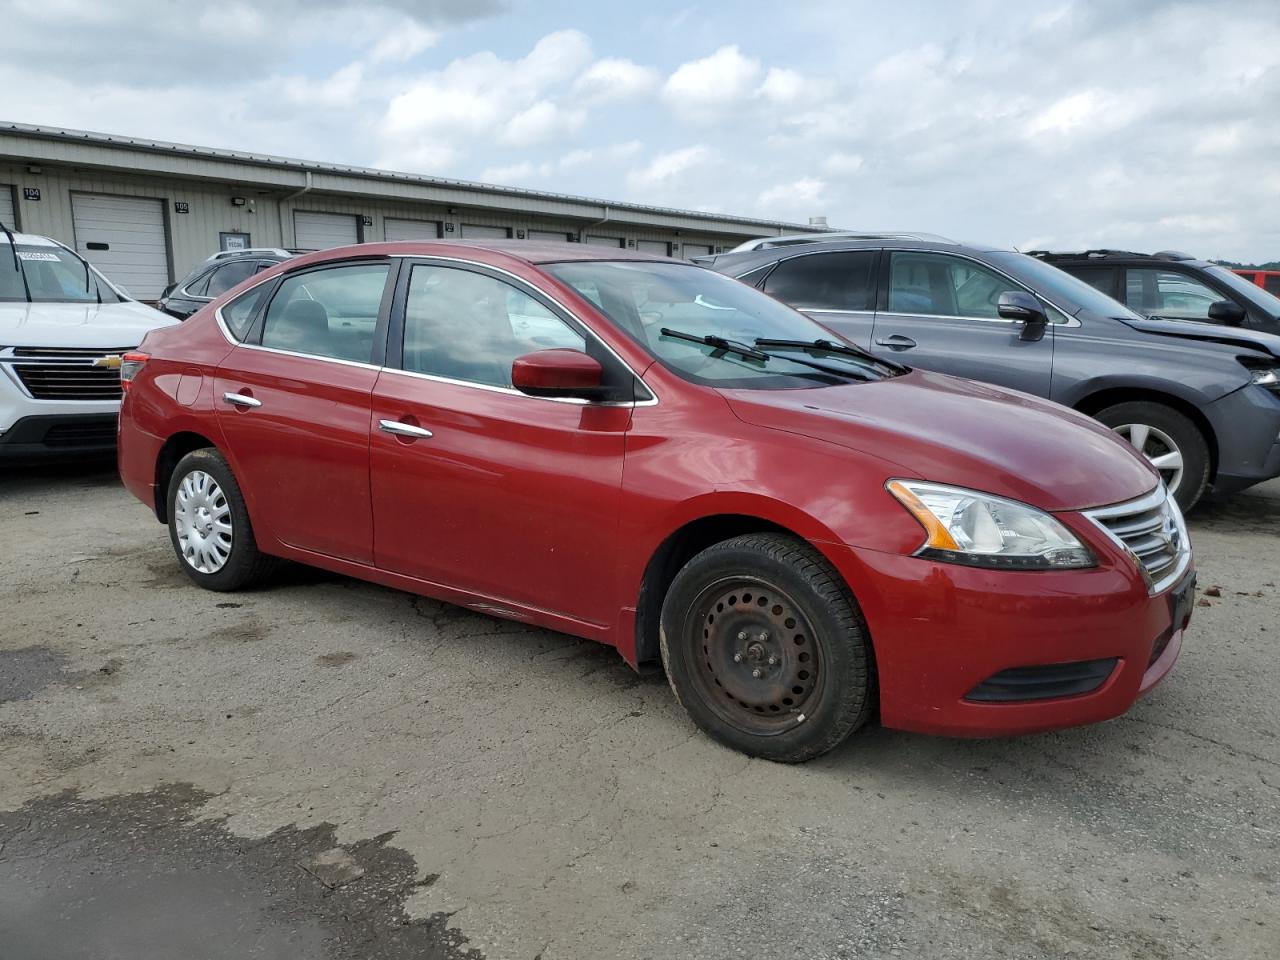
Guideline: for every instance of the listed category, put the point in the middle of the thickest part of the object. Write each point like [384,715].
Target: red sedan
[654,456]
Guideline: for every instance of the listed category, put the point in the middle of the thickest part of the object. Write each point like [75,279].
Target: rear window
[239,313]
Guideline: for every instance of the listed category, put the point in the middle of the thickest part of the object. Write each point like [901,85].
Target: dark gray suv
[1201,401]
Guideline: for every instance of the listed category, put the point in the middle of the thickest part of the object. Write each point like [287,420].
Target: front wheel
[1169,440]
[209,524]
[766,649]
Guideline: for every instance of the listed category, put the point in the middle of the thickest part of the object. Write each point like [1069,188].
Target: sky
[1061,124]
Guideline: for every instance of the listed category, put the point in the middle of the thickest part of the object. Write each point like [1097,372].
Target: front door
[477,486]
[939,312]
[294,408]
[836,289]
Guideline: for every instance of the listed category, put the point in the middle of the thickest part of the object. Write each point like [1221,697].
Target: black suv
[1173,286]
[217,275]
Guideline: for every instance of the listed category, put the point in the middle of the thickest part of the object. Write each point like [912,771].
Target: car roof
[750,260]
[529,251]
[1104,255]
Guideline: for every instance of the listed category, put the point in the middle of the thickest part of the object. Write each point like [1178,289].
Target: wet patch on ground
[25,672]
[136,876]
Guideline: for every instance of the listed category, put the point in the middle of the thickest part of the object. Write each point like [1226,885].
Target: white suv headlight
[977,529]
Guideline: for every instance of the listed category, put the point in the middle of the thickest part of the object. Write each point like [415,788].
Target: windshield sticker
[34,255]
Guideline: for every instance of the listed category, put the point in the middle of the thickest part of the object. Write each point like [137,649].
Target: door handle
[896,342]
[240,400]
[404,429]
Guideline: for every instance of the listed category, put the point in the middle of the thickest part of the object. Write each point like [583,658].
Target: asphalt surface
[329,769]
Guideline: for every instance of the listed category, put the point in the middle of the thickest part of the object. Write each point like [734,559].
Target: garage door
[660,247]
[601,241]
[6,207]
[553,236]
[320,231]
[124,238]
[692,250]
[474,231]
[411,229]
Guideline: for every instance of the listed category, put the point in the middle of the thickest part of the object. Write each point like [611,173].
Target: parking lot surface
[327,768]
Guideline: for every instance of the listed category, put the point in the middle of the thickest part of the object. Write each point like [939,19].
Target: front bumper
[54,436]
[940,631]
[1247,426]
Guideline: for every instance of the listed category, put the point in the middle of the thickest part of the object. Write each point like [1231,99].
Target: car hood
[78,324]
[964,433]
[1267,343]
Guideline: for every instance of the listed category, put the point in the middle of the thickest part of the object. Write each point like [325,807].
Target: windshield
[643,299]
[1068,292]
[1250,291]
[52,274]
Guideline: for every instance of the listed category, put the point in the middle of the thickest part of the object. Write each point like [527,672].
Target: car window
[1166,293]
[49,274]
[239,313]
[1100,278]
[825,281]
[327,313]
[1271,283]
[198,286]
[936,284]
[469,326]
[227,276]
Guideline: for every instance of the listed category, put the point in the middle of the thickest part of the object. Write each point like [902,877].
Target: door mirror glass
[1226,312]
[558,372]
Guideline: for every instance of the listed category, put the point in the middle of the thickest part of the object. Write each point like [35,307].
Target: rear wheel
[1174,445]
[209,526]
[765,648]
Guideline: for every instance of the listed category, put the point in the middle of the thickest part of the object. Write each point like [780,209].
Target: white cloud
[614,79]
[516,173]
[783,86]
[339,90]
[843,164]
[607,154]
[712,83]
[793,199]
[404,44]
[541,122]
[668,166]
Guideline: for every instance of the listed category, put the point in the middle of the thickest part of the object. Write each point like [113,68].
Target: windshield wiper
[17,260]
[752,353]
[827,346]
[720,343]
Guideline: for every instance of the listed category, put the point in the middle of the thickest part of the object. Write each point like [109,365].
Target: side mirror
[1227,312]
[1020,305]
[560,372]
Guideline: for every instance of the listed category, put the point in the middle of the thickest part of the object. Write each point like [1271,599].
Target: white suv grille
[1151,528]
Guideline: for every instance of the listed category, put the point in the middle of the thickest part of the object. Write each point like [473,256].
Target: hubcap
[759,662]
[202,520]
[1158,447]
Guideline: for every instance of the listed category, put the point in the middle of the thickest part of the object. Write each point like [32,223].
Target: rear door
[836,289]
[939,312]
[293,402]
[477,486]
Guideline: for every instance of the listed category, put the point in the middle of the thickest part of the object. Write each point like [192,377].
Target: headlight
[1268,377]
[977,529]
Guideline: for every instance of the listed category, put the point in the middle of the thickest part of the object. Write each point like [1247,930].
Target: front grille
[1043,682]
[1150,528]
[84,433]
[67,373]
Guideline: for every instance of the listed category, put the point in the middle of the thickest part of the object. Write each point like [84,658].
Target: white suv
[63,329]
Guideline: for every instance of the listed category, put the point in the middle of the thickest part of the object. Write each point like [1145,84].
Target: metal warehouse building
[144,212]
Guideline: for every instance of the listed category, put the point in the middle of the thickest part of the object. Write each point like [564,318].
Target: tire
[1166,432]
[210,531]
[763,597]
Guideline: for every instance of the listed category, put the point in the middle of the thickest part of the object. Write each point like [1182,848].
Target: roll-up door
[6,207]
[553,236]
[124,238]
[474,231]
[411,229]
[602,241]
[660,247]
[692,250]
[320,231]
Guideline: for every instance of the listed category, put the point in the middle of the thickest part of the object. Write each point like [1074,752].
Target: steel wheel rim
[202,522]
[1158,447]
[735,627]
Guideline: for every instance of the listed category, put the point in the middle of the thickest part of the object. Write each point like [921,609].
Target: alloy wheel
[1158,447]
[202,522]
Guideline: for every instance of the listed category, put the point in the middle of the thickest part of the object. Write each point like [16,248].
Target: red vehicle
[660,458]
[1268,280]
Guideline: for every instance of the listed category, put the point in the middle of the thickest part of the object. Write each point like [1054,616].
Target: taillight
[131,365]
